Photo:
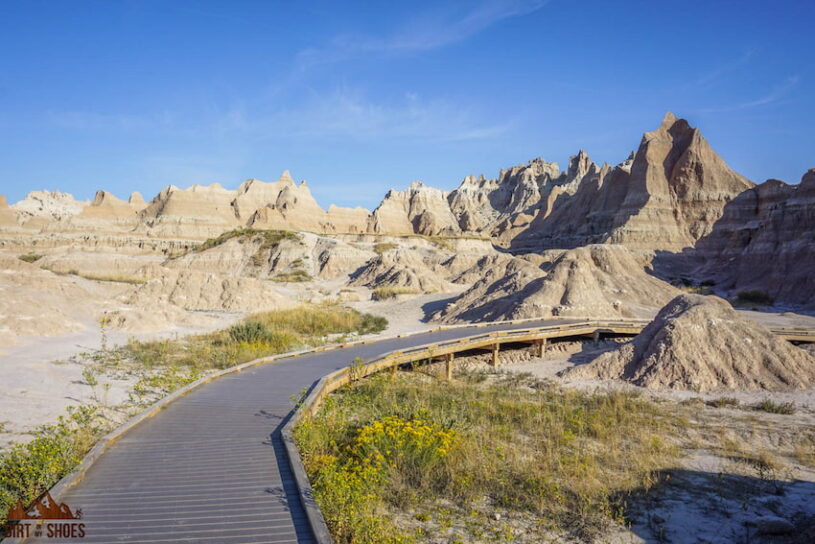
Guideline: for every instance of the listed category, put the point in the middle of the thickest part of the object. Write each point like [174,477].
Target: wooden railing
[446,351]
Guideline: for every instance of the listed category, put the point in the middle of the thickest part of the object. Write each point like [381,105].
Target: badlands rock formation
[193,290]
[668,197]
[700,343]
[593,281]
[674,197]
[765,241]
[403,268]
[420,209]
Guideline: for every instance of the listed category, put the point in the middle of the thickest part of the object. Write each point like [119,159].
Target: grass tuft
[384,293]
[382,247]
[772,407]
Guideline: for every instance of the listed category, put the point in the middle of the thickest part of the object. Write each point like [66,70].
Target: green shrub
[249,332]
[259,335]
[28,470]
[754,297]
[767,405]
[31,257]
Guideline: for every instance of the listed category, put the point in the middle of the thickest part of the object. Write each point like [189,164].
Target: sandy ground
[40,381]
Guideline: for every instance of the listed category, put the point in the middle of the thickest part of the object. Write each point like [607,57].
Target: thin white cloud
[346,113]
[724,69]
[775,95]
[425,33]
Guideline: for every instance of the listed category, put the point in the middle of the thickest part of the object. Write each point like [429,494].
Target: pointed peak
[286,177]
[668,120]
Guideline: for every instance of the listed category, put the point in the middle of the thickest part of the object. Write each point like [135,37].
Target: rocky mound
[700,343]
[403,268]
[194,290]
[600,281]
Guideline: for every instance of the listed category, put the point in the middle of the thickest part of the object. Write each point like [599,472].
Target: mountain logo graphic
[43,508]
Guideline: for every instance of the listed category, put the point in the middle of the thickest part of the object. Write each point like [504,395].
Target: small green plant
[754,297]
[384,293]
[382,247]
[772,407]
[30,257]
[249,332]
[27,470]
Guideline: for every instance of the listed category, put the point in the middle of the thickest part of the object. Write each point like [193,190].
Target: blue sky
[135,95]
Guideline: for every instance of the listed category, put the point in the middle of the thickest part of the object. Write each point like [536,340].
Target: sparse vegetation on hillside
[30,257]
[297,276]
[382,247]
[268,238]
[387,446]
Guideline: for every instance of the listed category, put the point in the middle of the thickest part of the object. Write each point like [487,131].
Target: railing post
[596,336]
[448,366]
[494,355]
[541,347]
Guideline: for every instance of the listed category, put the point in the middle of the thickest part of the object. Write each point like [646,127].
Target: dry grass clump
[113,278]
[259,335]
[30,257]
[566,457]
[384,293]
[382,247]
[297,276]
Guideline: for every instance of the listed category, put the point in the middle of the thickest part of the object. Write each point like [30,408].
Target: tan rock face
[593,281]
[420,209]
[701,344]
[197,212]
[193,290]
[48,205]
[401,268]
[765,241]
[668,197]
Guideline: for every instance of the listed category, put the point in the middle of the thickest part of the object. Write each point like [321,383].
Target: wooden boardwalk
[212,466]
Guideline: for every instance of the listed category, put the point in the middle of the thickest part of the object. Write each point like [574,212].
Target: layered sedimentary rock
[285,205]
[420,209]
[402,268]
[700,343]
[668,197]
[765,241]
[193,290]
[199,211]
[597,281]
